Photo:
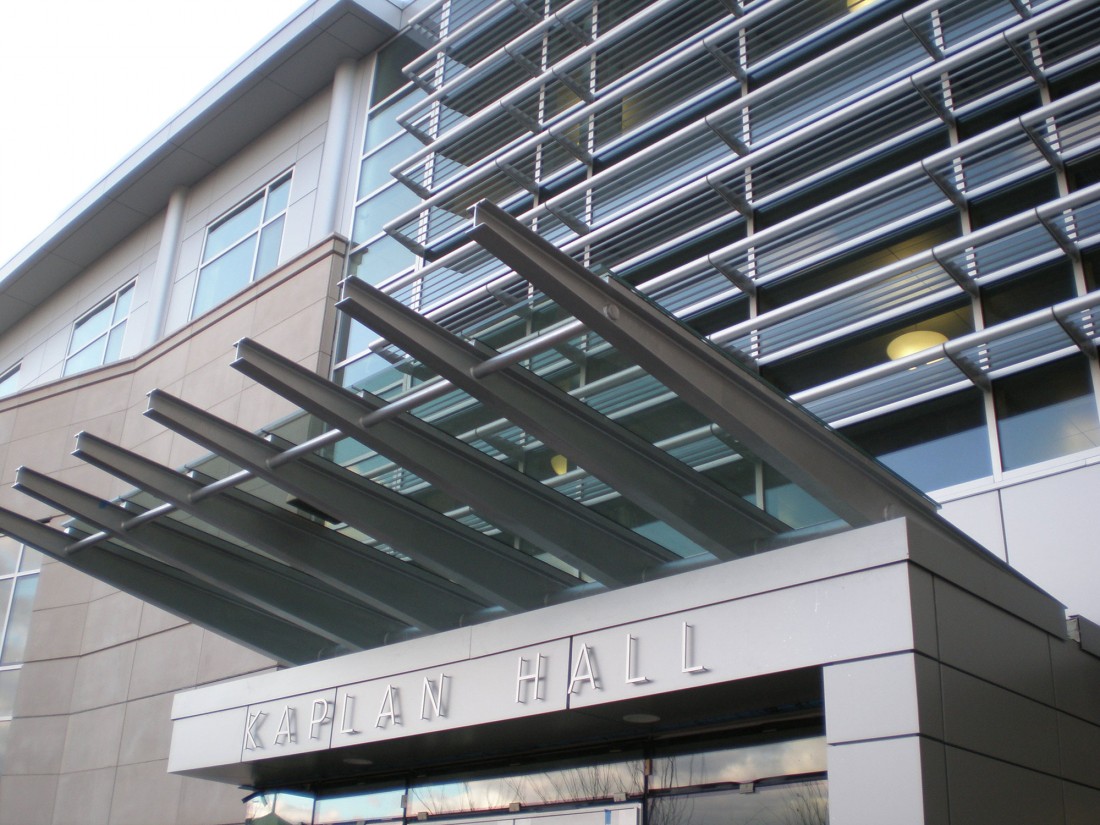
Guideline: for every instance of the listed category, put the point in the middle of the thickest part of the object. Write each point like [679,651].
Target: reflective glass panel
[32,559]
[570,784]
[931,445]
[281,808]
[387,804]
[9,381]
[89,357]
[277,199]
[371,215]
[91,326]
[19,620]
[375,171]
[748,763]
[380,260]
[1046,412]
[271,239]
[233,228]
[225,276]
[8,681]
[799,803]
[114,344]
[9,555]
[122,304]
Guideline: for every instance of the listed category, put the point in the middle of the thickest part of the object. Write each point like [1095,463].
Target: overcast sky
[83,82]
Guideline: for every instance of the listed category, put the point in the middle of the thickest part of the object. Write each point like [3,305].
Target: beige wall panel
[111,620]
[56,632]
[143,793]
[46,687]
[28,800]
[84,797]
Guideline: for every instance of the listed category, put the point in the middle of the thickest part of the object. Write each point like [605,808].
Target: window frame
[262,196]
[27,566]
[114,323]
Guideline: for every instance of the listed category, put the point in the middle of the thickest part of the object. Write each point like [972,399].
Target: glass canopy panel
[628,397]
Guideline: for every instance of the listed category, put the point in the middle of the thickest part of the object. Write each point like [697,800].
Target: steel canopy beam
[336,560]
[601,548]
[701,509]
[783,434]
[265,585]
[175,591]
[488,568]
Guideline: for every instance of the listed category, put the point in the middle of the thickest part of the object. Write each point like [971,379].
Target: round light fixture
[909,342]
[559,464]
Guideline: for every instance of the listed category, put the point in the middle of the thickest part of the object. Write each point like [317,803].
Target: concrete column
[165,271]
[884,728]
[334,172]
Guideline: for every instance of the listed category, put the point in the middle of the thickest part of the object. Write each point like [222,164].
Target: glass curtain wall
[889,209]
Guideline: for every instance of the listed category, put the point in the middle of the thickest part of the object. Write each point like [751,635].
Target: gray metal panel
[341,563]
[516,502]
[489,568]
[264,584]
[699,508]
[175,591]
[851,484]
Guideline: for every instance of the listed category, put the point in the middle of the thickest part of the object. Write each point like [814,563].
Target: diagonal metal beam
[601,548]
[492,570]
[854,486]
[701,509]
[339,562]
[175,591]
[267,586]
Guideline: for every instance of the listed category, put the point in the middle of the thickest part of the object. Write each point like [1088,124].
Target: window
[242,245]
[97,336]
[9,381]
[18,580]
[931,445]
[1046,412]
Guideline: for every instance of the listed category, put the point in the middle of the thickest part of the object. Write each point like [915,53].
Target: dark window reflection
[1046,412]
[796,803]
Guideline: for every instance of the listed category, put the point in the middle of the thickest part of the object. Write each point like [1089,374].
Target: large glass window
[1046,412]
[18,581]
[9,381]
[931,445]
[97,336]
[242,245]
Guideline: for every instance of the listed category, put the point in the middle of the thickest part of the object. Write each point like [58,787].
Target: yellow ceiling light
[909,342]
[859,5]
[559,464]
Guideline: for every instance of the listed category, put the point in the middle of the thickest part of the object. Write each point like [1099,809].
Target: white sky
[84,82]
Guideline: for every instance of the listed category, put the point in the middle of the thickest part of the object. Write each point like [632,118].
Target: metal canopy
[852,485]
[171,589]
[494,571]
[297,589]
[341,563]
[273,588]
[599,547]
[701,509]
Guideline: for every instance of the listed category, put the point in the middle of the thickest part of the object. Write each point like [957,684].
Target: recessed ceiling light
[641,718]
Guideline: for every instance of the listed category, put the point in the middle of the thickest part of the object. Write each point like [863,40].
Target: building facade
[521,293]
